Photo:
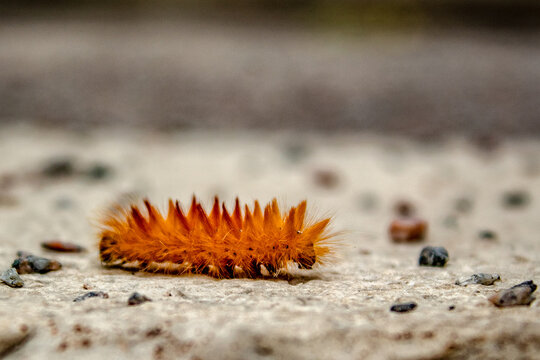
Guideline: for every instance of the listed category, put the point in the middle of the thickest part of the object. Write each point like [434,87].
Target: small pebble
[480,278]
[404,208]
[463,205]
[326,178]
[433,256]
[91,294]
[61,246]
[296,152]
[22,253]
[29,264]
[404,230]
[12,278]
[487,142]
[98,171]
[487,235]
[405,307]
[137,298]
[520,294]
[367,201]
[60,167]
[64,203]
[451,221]
[515,199]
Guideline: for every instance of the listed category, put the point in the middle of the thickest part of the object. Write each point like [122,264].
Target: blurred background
[420,68]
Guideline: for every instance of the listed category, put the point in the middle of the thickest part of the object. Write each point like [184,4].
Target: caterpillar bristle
[251,244]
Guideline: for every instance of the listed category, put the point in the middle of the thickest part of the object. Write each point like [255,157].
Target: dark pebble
[12,278]
[520,294]
[91,294]
[61,246]
[452,307]
[326,179]
[29,264]
[98,171]
[405,230]
[515,199]
[405,307]
[61,167]
[23,266]
[487,142]
[529,283]
[137,298]
[433,256]
[487,235]
[404,208]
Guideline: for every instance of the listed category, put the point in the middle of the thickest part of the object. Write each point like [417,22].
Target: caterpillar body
[254,243]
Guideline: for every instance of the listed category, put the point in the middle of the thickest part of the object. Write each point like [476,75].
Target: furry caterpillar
[251,244]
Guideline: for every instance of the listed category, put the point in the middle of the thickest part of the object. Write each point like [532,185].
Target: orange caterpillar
[220,244]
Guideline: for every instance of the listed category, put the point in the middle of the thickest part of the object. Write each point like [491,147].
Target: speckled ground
[341,312]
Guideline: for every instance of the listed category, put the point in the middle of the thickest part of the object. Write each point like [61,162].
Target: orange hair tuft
[249,244]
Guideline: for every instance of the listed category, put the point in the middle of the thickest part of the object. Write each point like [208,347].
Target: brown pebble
[61,246]
[77,328]
[404,230]
[62,346]
[407,335]
[487,142]
[158,352]
[86,343]
[520,294]
[28,264]
[326,178]
[22,266]
[404,208]
[153,332]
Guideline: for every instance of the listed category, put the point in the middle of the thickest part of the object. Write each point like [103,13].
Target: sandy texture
[342,313]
